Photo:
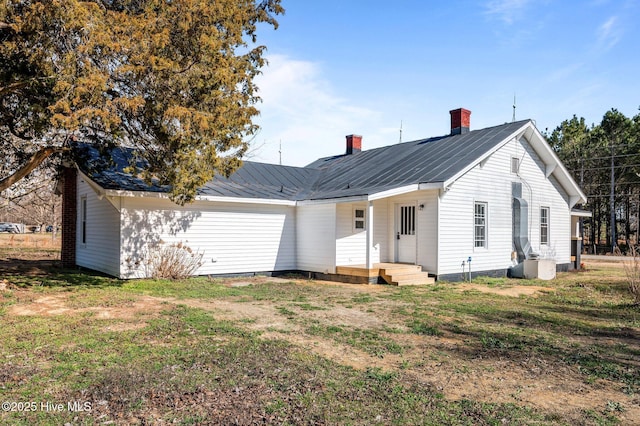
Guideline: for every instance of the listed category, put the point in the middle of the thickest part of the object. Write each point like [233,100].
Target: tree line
[604,159]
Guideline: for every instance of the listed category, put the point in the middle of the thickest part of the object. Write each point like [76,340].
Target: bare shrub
[172,261]
[632,270]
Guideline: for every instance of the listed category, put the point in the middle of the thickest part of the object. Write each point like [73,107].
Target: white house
[487,195]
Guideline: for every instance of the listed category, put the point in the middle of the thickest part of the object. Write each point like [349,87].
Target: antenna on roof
[513,119]
[400,140]
[280,152]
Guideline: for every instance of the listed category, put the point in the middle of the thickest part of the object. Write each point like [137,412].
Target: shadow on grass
[48,273]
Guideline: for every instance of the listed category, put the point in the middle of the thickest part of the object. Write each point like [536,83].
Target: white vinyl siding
[351,243]
[380,231]
[97,237]
[426,227]
[487,183]
[316,238]
[428,231]
[232,237]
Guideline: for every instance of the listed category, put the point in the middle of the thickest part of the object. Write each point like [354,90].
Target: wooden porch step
[421,278]
[405,275]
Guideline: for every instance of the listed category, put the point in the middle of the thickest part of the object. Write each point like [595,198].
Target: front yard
[293,351]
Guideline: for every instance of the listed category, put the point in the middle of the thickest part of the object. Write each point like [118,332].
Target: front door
[406,233]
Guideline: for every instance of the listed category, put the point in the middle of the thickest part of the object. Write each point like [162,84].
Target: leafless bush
[632,270]
[172,261]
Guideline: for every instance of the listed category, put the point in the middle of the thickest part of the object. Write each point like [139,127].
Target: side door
[406,233]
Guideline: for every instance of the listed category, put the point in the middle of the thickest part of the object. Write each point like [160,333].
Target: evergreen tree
[171,79]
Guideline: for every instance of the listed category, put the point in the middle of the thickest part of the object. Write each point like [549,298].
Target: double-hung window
[480,225]
[544,225]
[358,220]
[83,218]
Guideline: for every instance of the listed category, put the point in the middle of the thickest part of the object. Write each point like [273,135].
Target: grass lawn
[80,348]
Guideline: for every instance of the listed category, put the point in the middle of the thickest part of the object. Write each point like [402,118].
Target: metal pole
[612,203]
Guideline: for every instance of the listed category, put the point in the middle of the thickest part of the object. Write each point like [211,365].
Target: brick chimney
[69,217]
[460,121]
[354,144]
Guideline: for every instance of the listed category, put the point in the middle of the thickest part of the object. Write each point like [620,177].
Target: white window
[358,220]
[480,225]
[544,225]
[407,220]
[83,216]
[515,165]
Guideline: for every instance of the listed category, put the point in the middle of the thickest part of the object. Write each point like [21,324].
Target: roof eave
[581,213]
[401,190]
[334,200]
[554,167]
[221,199]
[552,163]
[393,192]
[207,198]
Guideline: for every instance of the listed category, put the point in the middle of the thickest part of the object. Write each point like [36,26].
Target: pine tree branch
[36,159]
[13,87]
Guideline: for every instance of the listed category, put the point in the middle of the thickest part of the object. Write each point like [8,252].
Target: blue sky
[338,67]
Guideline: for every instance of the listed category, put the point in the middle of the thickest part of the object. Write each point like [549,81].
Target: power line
[607,195]
[635,182]
[604,167]
[616,156]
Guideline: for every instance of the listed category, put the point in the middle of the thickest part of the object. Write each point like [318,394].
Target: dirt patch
[443,362]
[435,361]
[58,304]
[513,291]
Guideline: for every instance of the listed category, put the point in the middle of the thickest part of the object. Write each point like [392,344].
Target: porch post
[369,227]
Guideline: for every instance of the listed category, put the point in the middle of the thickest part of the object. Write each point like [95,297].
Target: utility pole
[612,202]
[581,220]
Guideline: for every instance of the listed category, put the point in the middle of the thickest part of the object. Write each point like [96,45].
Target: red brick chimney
[354,144]
[69,217]
[460,121]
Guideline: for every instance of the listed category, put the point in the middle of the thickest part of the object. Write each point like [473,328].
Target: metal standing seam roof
[423,161]
[364,173]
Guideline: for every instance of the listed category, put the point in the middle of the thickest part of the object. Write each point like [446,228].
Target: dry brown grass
[38,240]
[632,270]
